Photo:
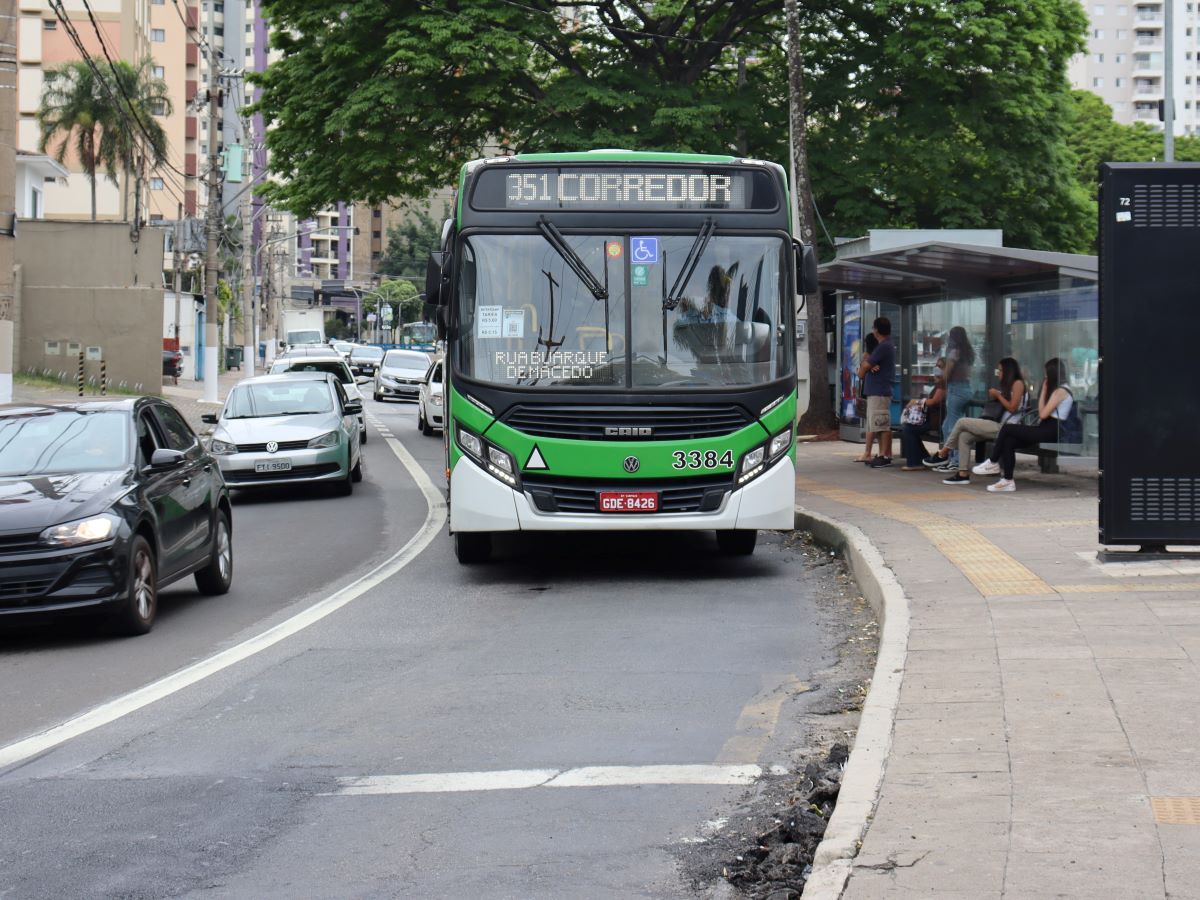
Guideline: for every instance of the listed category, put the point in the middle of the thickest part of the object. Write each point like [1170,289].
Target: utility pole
[176,258]
[1168,81]
[8,190]
[211,269]
[248,348]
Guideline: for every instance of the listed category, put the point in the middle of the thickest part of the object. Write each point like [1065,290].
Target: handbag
[993,411]
[913,415]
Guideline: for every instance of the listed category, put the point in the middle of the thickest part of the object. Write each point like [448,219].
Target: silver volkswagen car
[288,429]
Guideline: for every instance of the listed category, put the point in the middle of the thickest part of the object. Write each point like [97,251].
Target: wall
[86,282]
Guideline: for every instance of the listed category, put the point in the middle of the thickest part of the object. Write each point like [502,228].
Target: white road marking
[518,779]
[133,701]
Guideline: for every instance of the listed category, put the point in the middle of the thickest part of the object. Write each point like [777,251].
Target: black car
[101,504]
[365,360]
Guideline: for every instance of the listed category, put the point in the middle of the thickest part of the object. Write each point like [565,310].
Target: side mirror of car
[362,379]
[352,408]
[209,418]
[167,459]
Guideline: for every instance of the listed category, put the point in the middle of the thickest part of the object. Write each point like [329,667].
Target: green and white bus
[620,333]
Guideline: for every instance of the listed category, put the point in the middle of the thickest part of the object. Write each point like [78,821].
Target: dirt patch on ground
[763,848]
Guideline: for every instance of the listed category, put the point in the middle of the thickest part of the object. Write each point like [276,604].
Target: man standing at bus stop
[878,372]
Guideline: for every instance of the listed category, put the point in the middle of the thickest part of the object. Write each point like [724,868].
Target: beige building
[176,61]
[85,287]
[1125,60]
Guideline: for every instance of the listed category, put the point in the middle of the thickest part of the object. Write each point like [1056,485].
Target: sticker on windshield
[614,249]
[514,323]
[487,321]
[640,275]
[643,250]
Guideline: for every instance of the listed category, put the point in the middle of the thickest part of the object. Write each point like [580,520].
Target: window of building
[156,217]
[159,72]
[159,107]
[1098,34]
[1098,9]
[249,28]
[377,234]
[50,24]
[35,203]
[1099,58]
[1119,58]
[157,2]
[377,213]
[1119,82]
[1122,10]
[1097,82]
[158,35]
[1122,34]
[156,184]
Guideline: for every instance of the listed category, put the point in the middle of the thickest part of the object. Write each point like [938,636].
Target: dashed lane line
[29,747]
[523,779]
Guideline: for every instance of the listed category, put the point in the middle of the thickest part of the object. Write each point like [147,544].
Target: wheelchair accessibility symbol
[644,249]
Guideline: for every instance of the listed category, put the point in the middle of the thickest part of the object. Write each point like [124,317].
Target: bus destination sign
[610,188]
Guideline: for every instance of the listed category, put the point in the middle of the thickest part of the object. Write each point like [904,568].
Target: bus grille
[581,495]
[627,423]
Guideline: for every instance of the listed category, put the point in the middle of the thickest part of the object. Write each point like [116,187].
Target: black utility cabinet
[1150,354]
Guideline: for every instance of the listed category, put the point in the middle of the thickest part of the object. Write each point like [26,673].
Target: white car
[430,401]
[314,361]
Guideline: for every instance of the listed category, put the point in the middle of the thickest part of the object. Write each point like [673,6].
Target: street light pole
[211,307]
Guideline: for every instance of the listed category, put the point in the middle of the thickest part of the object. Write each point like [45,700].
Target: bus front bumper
[478,502]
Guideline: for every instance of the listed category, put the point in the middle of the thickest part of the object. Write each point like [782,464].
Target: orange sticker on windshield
[614,249]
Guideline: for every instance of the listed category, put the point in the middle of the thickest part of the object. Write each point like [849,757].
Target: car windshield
[406,360]
[304,337]
[724,328]
[342,347]
[367,353]
[63,441]
[332,366]
[278,398]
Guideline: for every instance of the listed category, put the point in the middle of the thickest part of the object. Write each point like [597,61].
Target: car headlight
[388,379]
[436,399]
[329,439]
[222,448]
[83,531]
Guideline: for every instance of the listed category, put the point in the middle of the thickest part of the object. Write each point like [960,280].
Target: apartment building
[176,62]
[1125,61]
[122,27]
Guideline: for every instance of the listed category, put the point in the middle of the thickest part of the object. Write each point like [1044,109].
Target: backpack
[1070,429]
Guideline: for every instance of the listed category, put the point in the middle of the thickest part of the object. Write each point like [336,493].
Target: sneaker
[987,467]
[956,478]
[932,462]
[946,466]
[1003,486]
[880,462]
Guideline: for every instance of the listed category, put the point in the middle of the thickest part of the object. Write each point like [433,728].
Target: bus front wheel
[737,543]
[472,546]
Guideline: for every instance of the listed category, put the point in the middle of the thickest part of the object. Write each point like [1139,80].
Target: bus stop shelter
[1029,304]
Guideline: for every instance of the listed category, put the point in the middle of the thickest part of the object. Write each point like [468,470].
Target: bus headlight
[762,457]
[498,463]
[753,459]
[469,442]
[501,465]
[780,443]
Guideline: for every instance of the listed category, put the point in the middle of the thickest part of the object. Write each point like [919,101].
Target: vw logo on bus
[632,464]
[272,446]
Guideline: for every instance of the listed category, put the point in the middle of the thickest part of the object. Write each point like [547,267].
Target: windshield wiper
[555,239]
[690,262]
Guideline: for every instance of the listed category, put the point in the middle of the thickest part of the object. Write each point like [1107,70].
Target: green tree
[95,115]
[409,245]
[401,295]
[922,114]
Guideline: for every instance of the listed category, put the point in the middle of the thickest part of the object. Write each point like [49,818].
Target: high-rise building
[1125,65]
[176,56]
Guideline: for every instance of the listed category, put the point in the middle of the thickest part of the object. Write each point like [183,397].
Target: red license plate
[628,501]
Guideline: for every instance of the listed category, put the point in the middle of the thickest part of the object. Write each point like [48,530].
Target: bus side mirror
[433,279]
[807,277]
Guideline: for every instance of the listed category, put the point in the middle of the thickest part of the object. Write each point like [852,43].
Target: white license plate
[273,465]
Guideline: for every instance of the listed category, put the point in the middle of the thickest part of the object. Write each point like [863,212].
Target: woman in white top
[1011,397]
[1054,406]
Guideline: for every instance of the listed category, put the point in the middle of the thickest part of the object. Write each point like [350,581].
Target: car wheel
[356,474]
[362,435]
[378,397]
[346,485]
[140,605]
[426,428]
[737,543]
[472,546]
[217,576]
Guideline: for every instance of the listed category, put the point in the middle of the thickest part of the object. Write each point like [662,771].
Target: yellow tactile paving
[990,569]
[1062,523]
[1176,810]
[1141,587]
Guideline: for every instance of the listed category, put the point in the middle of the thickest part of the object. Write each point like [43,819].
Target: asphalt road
[568,652]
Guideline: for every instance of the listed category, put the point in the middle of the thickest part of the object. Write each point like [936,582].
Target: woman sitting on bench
[1055,403]
[1005,404]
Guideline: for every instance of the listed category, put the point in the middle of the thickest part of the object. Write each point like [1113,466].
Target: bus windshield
[527,319]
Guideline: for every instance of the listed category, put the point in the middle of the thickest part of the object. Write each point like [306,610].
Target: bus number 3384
[697,460]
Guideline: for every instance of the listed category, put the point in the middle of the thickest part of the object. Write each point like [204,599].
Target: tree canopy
[923,113]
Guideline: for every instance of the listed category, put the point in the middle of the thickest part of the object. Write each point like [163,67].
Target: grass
[50,383]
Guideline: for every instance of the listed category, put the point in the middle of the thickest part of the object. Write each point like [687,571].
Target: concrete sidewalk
[1035,730]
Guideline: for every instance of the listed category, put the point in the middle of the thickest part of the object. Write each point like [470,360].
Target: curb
[863,776]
